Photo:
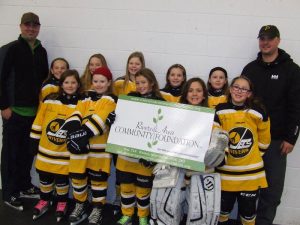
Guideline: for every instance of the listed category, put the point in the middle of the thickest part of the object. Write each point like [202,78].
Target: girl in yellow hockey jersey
[89,125]
[175,80]
[217,86]
[51,84]
[48,138]
[95,61]
[243,173]
[135,175]
[125,84]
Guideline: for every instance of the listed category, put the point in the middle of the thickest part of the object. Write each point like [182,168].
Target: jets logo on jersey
[55,133]
[208,183]
[240,141]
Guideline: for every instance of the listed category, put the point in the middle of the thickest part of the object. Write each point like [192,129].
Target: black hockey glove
[110,118]
[72,125]
[146,163]
[78,141]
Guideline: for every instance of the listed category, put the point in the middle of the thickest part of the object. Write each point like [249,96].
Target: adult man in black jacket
[276,80]
[24,66]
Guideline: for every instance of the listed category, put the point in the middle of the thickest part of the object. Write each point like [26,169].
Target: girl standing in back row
[51,84]
[125,84]
[175,80]
[217,85]
[95,61]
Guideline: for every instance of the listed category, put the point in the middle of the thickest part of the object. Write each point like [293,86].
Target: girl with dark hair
[175,80]
[48,137]
[135,175]
[172,210]
[51,84]
[217,85]
[186,97]
[243,174]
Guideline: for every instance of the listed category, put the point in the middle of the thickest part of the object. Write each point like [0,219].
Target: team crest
[55,133]
[240,141]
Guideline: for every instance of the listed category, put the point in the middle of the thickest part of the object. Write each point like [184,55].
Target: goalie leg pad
[196,201]
[204,197]
[166,203]
[212,190]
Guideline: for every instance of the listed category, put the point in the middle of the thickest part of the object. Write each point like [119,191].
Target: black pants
[269,199]
[16,156]
[246,204]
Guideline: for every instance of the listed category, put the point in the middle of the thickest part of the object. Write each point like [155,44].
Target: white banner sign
[159,131]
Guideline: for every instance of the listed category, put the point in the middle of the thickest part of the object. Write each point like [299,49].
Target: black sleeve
[6,76]
[291,132]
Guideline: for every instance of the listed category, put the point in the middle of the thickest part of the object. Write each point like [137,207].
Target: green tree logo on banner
[156,120]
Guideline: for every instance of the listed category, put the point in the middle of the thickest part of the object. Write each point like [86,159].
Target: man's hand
[6,113]
[286,148]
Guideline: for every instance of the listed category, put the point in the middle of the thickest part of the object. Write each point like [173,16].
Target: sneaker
[40,208]
[116,209]
[96,217]
[143,221]
[61,210]
[125,220]
[15,203]
[32,192]
[78,214]
[116,205]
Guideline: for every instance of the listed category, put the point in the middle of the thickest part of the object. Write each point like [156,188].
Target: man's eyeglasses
[238,89]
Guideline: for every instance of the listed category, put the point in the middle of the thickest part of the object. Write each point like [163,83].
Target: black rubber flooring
[9,216]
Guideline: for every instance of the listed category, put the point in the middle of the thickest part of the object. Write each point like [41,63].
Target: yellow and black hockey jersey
[216,97]
[169,97]
[48,129]
[249,137]
[50,86]
[119,89]
[92,113]
[171,94]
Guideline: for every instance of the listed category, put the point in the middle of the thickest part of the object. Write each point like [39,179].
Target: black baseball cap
[30,18]
[270,31]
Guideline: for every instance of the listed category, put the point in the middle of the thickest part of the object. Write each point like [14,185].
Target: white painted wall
[200,34]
